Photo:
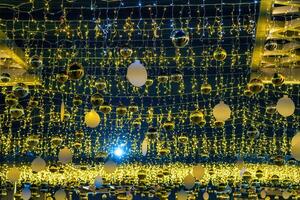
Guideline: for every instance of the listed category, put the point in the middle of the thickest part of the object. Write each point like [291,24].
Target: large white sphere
[144,147]
[38,164]
[295,150]
[98,182]
[65,155]
[26,194]
[205,196]
[285,106]
[296,139]
[13,175]
[198,172]
[137,74]
[92,119]
[110,167]
[60,195]
[182,195]
[221,112]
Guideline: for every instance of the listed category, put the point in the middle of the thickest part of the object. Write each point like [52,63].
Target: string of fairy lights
[196,102]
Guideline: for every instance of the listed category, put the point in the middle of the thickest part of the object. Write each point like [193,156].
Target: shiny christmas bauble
[11,99]
[100,85]
[62,77]
[97,100]
[169,125]
[75,71]
[205,88]
[121,110]
[256,85]
[220,54]
[105,108]
[126,52]
[196,117]
[21,90]
[180,38]
[277,79]
[16,111]
[5,77]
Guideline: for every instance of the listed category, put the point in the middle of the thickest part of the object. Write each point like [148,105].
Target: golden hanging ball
[149,82]
[110,167]
[16,111]
[137,122]
[56,141]
[65,155]
[256,85]
[189,181]
[277,79]
[92,119]
[206,88]
[21,90]
[220,54]
[13,175]
[97,100]
[5,77]
[11,100]
[176,78]
[121,110]
[32,141]
[126,52]
[196,117]
[75,71]
[79,134]
[100,85]
[169,125]
[38,164]
[152,133]
[105,108]
[133,108]
[248,92]
[271,109]
[183,139]
[219,124]
[162,79]
[62,77]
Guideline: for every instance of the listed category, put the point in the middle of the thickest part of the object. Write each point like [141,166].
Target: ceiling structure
[215,72]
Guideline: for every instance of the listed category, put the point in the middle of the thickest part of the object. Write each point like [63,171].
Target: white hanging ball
[295,150]
[13,175]
[286,194]
[144,147]
[26,194]
[189,182]
[205,196]
[98,182]
[65,155]
[137,74]
[296,139]
[198,172]
[182,195]
[110,167]
[221,112]
[263,194]
[38,164]
[60,195]
[285,106]
[92,119]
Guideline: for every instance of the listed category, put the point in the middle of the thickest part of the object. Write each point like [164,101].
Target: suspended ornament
[183,139]
[56,141]
[163,151]
[53,168]
[60,195]
[13,175]
[295,149]
[5,77]
[263,194]
[278,79]
[32,141]
[219,124]
[62,111]
[77,101]
[97,100]
[75,71]
[121,110]
[100,85]
[26,193]
[98,182]
[35,63]
[11,100]
[33,102]
[38,164]
[142,175]
[169,125]
[77,144]
[21,90]
[271,45]
[220,54]
[16,111]
[133,108]
[79,134]
[248,92]
[92,119]
[149,82]
[105,108]
[296,139]
[101,155]
[253,132]
[198,172]
[206,88]
[177,78]
[62,77]
[152,133]
[285,106]
[205,195]
[110,167]
[286,194]
[182,195]
[197,117]
[162,79]
[271,109]
[221,112]
[145,147]
[180,38]
[137,123]
[126,52]
[256,85]
[278,160]
[65,155]
[137,74]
